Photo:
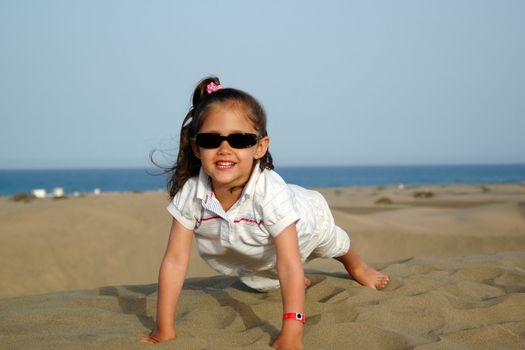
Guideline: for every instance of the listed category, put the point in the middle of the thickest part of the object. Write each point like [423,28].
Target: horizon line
[134,167]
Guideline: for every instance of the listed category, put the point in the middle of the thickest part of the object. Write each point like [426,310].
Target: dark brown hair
[187,164]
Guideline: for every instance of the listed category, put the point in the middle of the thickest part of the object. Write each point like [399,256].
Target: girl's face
[229,167]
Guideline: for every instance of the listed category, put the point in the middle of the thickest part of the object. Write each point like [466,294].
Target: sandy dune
[456,262]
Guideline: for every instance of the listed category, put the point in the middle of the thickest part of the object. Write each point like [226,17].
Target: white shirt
[241,240]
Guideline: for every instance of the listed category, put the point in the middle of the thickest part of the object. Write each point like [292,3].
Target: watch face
[298,316]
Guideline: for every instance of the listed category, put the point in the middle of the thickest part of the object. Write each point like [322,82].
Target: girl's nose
[224,147]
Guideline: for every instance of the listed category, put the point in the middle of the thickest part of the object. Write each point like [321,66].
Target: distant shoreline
[140,179]
[483,187]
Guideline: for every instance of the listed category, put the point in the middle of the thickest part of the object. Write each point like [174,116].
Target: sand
[81,273]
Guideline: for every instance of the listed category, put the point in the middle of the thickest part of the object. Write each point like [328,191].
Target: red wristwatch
[298,316]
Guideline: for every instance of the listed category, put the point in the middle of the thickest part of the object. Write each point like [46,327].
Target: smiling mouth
[225,165]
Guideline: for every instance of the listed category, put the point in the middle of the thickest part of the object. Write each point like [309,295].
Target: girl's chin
[227,181]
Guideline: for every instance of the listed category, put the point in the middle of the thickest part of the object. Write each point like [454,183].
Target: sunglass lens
[242,140]
[208,140]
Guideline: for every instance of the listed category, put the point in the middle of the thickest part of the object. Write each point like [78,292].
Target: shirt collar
[249,189]
[203,184]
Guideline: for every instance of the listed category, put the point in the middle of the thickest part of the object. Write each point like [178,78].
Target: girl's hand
[288,342]
[158,336]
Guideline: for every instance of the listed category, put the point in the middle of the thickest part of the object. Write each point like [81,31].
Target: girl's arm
[171,278]
[291,278]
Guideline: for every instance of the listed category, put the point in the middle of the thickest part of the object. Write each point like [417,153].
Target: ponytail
[187,164]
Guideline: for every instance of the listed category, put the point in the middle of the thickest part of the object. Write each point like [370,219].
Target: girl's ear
[262,147]
[195,149]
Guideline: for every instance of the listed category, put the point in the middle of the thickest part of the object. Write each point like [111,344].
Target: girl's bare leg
[361,272]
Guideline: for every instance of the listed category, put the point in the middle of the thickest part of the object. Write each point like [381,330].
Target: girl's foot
[307,283]
[370,277]
[361,272]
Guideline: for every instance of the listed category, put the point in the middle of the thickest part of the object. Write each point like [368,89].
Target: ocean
[128,180]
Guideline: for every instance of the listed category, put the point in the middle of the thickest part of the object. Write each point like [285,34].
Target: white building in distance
[58,192]
[39,193]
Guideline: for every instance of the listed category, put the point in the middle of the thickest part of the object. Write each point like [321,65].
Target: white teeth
[225,164]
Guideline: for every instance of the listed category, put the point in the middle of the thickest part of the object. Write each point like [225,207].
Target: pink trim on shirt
[208,197]
[210,218]
[249,220]
[235,221]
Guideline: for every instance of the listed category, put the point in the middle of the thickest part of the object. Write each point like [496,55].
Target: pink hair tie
[212,87]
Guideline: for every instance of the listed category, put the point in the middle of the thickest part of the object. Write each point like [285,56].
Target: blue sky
[101,83]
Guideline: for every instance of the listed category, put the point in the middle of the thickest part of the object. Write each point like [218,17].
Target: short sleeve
[182,207]
[278,209]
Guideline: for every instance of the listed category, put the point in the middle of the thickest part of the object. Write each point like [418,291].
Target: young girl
[245,219]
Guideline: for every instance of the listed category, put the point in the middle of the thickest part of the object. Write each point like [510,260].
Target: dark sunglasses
[238,140]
